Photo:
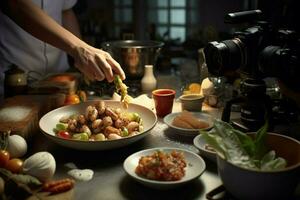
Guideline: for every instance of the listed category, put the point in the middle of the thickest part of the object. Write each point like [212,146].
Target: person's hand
[96,64]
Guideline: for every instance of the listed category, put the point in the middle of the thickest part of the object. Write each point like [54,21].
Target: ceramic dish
[200,143]
[49,121]
[195,167]
[189,132]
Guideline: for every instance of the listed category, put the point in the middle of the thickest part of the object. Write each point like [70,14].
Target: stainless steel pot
[133,55]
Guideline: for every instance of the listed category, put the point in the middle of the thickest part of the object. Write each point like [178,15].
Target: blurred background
[183,25]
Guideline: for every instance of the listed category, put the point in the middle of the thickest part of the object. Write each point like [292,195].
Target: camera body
[257,52]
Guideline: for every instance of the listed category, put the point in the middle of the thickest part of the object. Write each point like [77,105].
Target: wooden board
[56,83]
[61,196]
[21,114]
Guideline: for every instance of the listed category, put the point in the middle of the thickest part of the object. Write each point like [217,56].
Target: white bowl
[200,143]
[195,167]
[48,122]
[189,132]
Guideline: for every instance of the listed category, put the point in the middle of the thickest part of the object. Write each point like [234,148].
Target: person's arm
[94,63]
[69,22]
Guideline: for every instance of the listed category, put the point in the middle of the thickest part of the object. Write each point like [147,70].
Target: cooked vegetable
[240,149]
[92,126]
[63,134]
[99,137]
[121,89]
[61,126]
[81,136]
[162,166]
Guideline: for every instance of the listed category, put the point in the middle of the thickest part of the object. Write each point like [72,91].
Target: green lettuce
[240,149]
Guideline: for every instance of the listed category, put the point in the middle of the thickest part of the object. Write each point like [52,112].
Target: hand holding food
[95,63]
[121,88]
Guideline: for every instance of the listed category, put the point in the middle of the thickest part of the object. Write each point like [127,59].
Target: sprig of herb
[19,186]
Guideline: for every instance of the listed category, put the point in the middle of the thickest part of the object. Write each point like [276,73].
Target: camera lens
[269,61]
[228,55]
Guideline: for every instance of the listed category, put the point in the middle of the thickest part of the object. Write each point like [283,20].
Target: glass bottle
[148,81]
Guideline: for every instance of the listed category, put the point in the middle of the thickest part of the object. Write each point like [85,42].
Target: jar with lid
[15,82]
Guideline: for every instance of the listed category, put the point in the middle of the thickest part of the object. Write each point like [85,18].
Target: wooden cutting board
[56,83]
[21,114]
[69,195]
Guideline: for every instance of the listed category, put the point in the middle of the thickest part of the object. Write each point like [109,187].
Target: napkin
[142,100]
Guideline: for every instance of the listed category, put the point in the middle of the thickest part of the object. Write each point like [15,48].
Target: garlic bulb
[17,146]
[40,165]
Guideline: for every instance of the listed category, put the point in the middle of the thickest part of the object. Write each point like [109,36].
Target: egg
[41,165]
[17,146]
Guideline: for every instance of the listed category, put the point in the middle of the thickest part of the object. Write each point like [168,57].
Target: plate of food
[205,149]
[97,125]
[189,123]
[164,168]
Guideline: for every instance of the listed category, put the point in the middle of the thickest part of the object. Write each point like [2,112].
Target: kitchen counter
[110,181]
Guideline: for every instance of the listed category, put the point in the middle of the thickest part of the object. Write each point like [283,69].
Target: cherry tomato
[14,165]
[64,134]
[4,158]
[72,99]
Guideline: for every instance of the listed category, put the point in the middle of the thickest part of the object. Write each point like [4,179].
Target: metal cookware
[133,55]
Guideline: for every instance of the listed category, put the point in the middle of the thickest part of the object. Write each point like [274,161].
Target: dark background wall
[97,19]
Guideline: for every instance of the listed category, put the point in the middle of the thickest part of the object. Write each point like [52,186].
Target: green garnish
[121,89]
[240,149]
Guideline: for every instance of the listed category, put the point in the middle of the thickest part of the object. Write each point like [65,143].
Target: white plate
[195,167]
[189,132]
[200,143]
[49,121]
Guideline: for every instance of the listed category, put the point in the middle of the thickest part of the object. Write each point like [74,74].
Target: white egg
[17,146]
[41,165]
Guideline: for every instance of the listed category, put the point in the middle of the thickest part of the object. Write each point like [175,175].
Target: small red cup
[163,101]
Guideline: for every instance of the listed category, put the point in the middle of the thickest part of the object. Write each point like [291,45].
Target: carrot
[58,186]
